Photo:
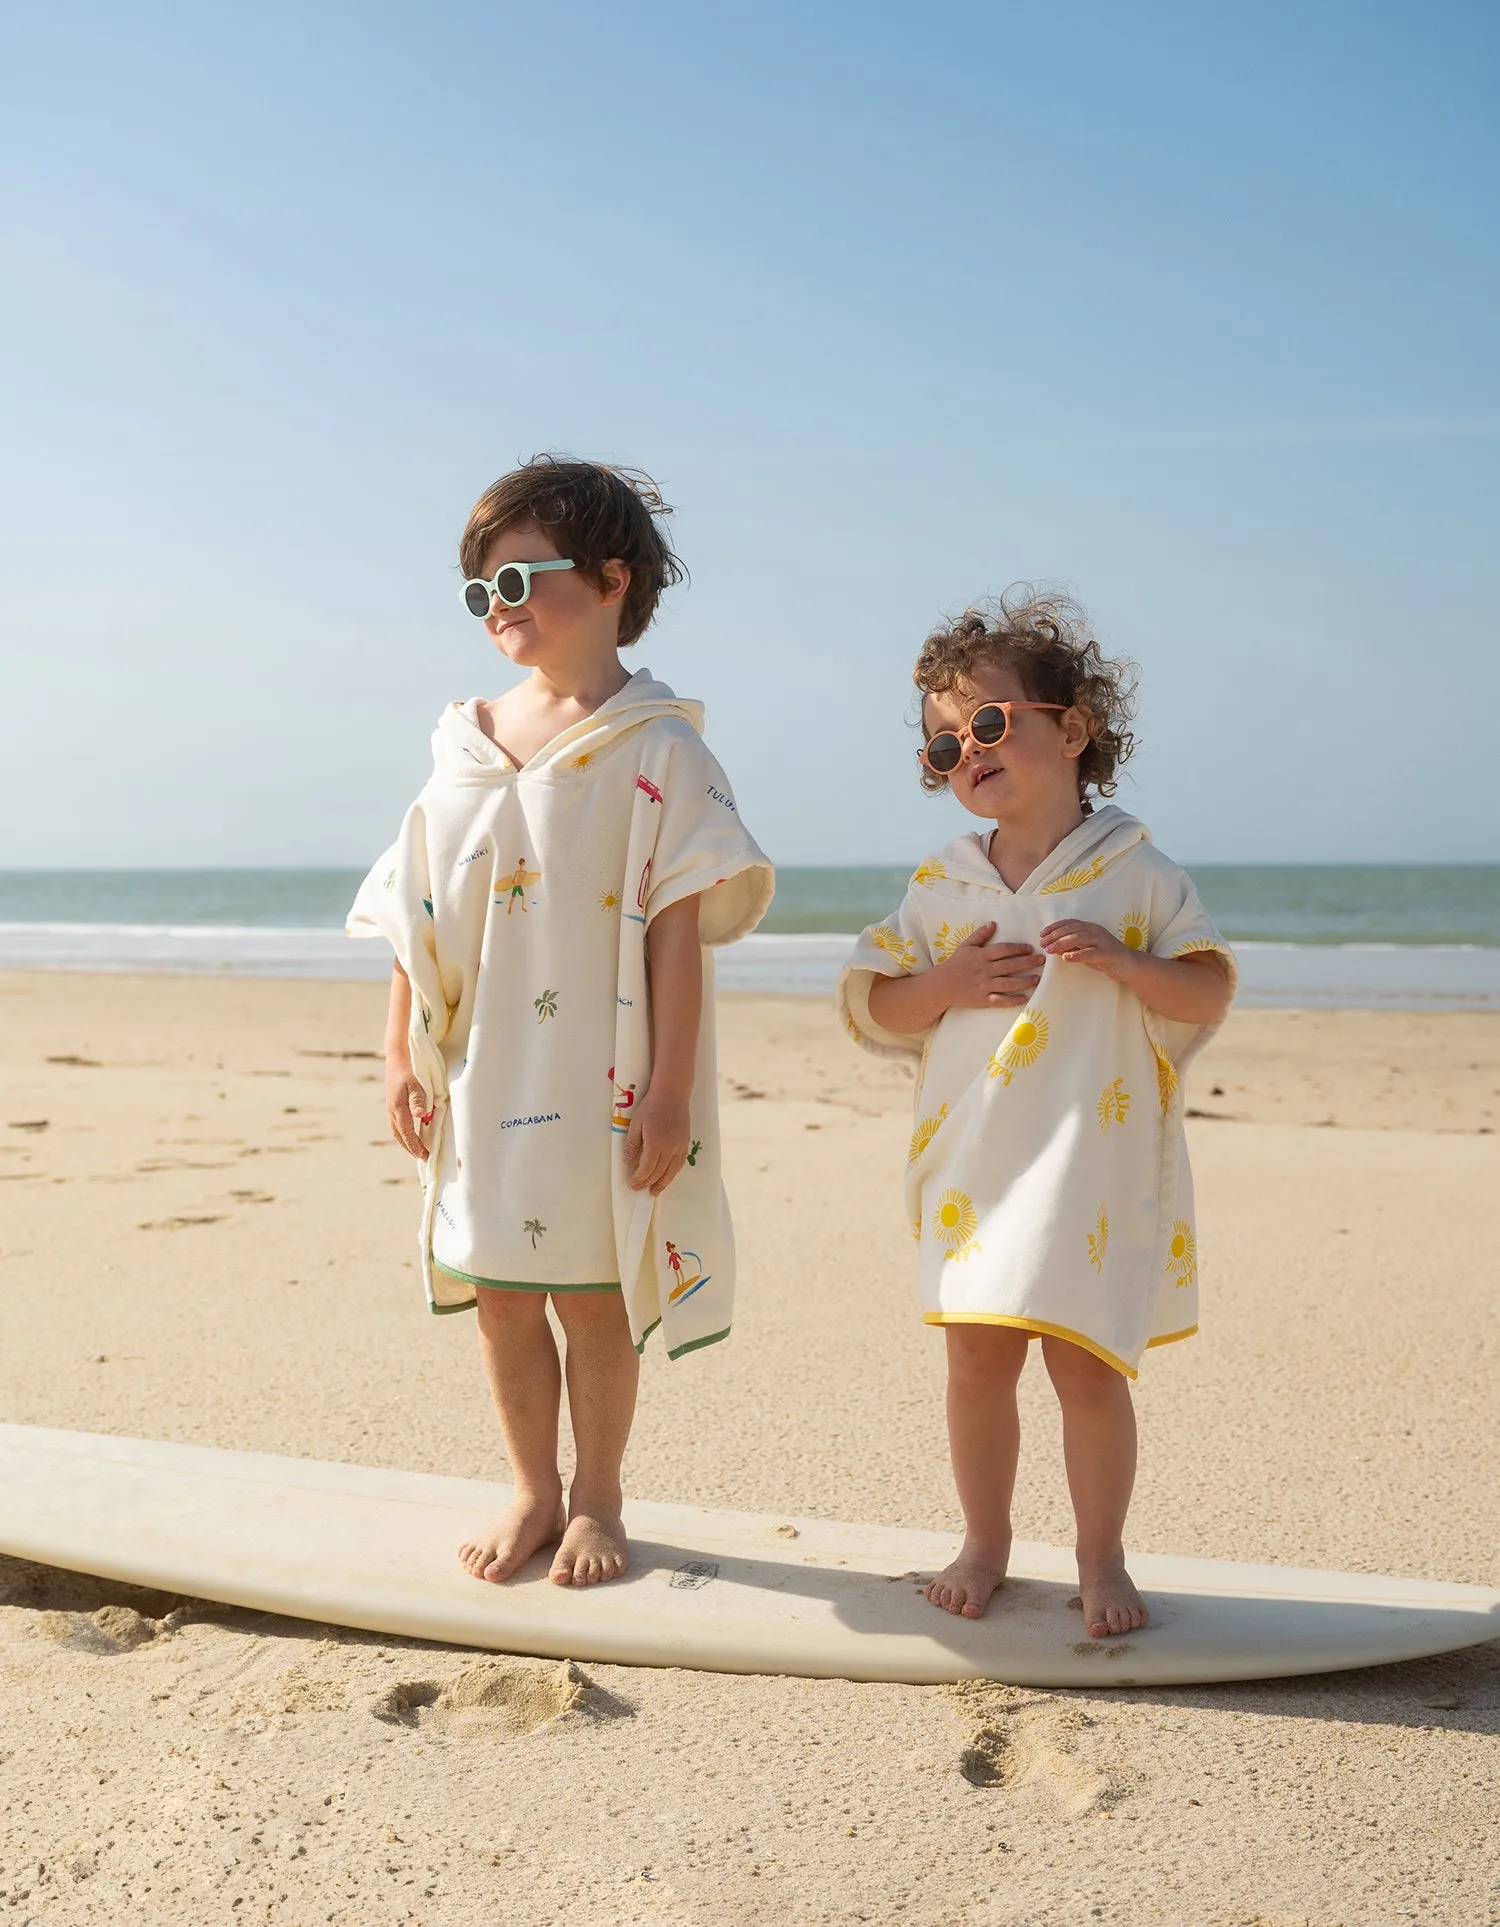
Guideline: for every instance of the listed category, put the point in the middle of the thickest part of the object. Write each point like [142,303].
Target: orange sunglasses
[990,724]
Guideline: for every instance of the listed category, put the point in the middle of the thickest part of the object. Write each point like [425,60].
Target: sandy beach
[206,1235]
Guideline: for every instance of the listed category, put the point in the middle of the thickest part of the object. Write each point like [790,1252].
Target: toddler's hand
[406,1107]
[981,975]
[1091,944]
[657,1142]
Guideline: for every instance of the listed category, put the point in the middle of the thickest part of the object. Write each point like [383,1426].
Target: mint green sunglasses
[512,585]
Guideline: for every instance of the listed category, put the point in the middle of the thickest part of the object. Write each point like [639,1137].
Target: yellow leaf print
[1135,930]
[1166,1078]
[948,939]
[886,939]
[925,1132]
[954,1223]
[1182,1254]
[1099,1240]
[928,873]
[1073,879]
[1024,1044]
[1114,1102]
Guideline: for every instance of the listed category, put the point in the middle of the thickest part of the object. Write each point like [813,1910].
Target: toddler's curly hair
[1042,637]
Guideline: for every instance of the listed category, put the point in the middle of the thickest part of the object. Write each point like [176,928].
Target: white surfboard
[727,1591]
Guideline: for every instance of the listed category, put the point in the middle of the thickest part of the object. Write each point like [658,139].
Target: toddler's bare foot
[966,1587]
[593,1550]
[1111,1603]
[525,1528]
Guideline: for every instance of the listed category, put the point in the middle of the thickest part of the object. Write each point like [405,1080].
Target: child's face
[1033,769]
[564,616]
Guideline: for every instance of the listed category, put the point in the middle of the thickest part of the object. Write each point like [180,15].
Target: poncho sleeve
[702,848]
[1181,927]
[395,902]
[896,948]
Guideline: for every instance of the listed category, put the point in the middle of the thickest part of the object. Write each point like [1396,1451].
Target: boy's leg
[603,1371]
[520,1362]
[984,1440]
[1099,1449]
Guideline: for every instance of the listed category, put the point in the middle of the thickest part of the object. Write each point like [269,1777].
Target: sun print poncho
[517,902]
[1047,1181]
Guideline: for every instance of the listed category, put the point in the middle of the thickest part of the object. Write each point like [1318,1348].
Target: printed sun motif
[1024,1044]
[609,900]
[1114,1102]
[1166,1079]
[583,760]
[925,1132]
[929,873]
[1099,1240]
[954,1223]
[1073,879]
[886,939]
[948,939]
[1182,1254]
[1134,930]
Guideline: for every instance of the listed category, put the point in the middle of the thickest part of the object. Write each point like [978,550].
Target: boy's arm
[405,1100]
[1187,990]
[660,1130]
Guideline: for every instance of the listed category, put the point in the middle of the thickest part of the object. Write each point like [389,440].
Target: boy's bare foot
[593,1550]
[525,1528]
[966,1587]
[1111,1603]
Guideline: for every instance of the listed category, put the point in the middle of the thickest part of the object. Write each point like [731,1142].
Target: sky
[1189,310]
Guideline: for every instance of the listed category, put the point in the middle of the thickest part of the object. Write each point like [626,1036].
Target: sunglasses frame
[492,589]
[966,734]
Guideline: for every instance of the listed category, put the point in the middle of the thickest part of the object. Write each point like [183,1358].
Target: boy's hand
[658,1141]
[406,1107]
[981,975]
[1091,944]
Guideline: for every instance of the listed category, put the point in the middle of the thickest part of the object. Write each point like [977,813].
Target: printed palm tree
[545,1005]
[535,1228]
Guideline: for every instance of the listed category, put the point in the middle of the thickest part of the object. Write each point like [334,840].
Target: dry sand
[205,1235]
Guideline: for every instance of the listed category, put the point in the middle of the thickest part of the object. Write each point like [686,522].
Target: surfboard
[741,1592]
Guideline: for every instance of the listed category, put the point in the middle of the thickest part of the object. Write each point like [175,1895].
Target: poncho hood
[462,752]
[1100,840]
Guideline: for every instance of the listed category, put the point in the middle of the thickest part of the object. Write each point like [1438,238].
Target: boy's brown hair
[591,513]
[1042,637]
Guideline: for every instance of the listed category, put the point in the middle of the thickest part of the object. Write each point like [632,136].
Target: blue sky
[1190,309]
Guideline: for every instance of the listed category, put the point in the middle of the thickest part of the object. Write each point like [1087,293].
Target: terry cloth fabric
[517,902]
[1047,1181]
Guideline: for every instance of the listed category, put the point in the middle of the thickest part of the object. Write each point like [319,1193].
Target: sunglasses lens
[476,598]
[511,586]
[944,753]
[988,725]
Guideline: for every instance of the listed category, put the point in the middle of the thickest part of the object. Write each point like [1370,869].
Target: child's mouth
[981,774]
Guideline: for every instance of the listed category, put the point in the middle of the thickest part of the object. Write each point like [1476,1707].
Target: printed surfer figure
[687,1280]
[516,884]
[624,1098]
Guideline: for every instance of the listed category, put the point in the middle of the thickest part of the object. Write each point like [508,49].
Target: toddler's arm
[660,1131]
[405,1100]
[978,976]
[1187,990]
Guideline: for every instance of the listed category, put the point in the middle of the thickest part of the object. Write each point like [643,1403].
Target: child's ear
[1075,733]
[616,579]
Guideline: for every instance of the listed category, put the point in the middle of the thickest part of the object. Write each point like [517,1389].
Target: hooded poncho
[1047,1181]
[517,902]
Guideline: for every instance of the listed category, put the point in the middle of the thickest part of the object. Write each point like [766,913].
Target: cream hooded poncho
[1047,1182]
[517,902]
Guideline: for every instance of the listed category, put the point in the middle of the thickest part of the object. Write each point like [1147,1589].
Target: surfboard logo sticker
[693,1575]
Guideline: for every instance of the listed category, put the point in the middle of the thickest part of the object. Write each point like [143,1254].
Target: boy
[549,1059]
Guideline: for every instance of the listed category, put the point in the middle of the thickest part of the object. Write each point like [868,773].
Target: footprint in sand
[1030,1744]
[498,1695]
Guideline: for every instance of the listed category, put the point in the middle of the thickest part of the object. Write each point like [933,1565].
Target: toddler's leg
[520,1362]
[1099,1449]
[984,1439]
[603,1371]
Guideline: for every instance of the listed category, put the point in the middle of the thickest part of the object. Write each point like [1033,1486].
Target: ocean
[1402,936]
